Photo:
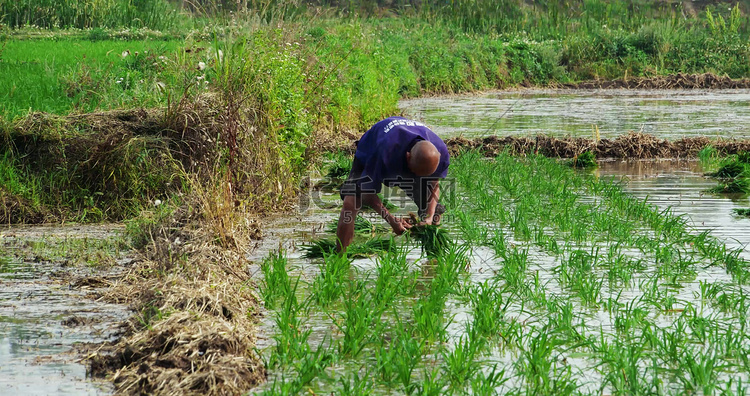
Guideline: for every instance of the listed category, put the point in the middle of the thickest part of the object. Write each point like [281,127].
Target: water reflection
[670,114]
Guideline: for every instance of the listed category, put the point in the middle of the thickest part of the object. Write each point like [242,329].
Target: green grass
[60,76]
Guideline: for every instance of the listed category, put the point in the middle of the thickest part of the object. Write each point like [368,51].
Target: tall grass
[83,14]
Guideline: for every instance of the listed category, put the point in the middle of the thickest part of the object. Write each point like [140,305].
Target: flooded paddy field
[668,114]
[51,278]
[589,297]
[623,280]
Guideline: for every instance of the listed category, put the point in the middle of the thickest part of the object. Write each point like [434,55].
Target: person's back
[395,152]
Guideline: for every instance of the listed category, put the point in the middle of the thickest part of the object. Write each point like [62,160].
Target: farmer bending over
[394,152]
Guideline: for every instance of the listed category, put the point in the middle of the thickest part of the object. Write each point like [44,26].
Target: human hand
[399,225]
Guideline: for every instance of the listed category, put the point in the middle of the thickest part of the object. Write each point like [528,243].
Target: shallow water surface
[668,114]
[44,314]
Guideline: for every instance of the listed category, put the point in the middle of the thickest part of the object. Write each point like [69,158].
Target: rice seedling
[325,247]
[433,383]
[358,322]
[730,169]
[461,363]
[541,371]
[745,212]
[276,282]
[700,371]
[291,337]
[352,384]
[327,286]
[397,359]
[488,308]
[487,384]
[429,318]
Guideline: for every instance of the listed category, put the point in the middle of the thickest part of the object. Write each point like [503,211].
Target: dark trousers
[417,189]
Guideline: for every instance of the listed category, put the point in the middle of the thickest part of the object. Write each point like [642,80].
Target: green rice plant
[339,168]
[291,337]
[541,372]
[433,383]
[486,384]
[488,308]
[352,384]
[393,278]
[624,367]
[324,247]
[461,363]
[584,160]
[313,364]
[700,369]
[327,286]
[472,231]
[276,283]
[515,264]
[358,322]
[362,226]
[397,358]
[435,241]
[742,212]
[429,318]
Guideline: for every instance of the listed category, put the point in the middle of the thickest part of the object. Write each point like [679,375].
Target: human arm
[398,225]
[432,201]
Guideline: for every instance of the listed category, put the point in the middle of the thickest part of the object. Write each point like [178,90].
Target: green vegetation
[732,173]
[246,92]
[585,160]
[605,293]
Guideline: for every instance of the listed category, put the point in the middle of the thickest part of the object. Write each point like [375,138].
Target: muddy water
[681,185]
[46,312]
[665,113]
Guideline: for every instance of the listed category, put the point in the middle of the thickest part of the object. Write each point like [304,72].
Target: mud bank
[674,81]
[634,145]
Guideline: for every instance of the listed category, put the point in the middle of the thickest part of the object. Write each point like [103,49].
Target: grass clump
[585,160]
[325,247]
[732,174]
[743,212]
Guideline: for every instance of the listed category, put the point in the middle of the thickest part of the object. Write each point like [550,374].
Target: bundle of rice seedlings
[324,247]
[435,240]
[361,226]
[743,212]
[585,160]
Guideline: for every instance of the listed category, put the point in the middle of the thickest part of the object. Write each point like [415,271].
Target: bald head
[423,159]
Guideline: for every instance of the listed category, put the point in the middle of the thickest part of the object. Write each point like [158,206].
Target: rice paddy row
[562,284]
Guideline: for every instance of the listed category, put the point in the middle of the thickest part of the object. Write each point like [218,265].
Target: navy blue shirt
[383,150]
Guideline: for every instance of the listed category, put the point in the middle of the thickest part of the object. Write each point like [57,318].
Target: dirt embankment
[674,81]
[634,145]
